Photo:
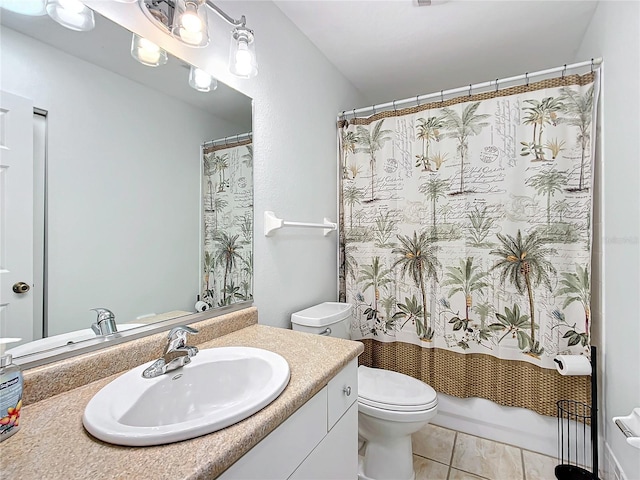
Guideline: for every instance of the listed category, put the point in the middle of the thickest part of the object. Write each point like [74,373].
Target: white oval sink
[220,387]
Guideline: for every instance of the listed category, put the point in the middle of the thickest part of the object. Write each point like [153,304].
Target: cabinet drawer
[342,392]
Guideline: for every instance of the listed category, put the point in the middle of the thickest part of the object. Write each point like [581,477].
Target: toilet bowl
[391,406]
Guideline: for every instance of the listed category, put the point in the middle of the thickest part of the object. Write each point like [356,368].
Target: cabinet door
[343,392]
[336,458]
[277,455]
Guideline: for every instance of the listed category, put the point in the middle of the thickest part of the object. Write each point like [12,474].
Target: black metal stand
[568,433]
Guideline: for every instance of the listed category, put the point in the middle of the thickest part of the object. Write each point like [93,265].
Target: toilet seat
[393,391]
[397,408]
[397,416]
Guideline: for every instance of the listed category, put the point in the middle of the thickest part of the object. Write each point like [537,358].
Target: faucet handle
[178,337]
[181,330]
[103,314]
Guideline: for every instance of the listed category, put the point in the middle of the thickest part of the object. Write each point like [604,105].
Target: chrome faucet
[176,354]
[105,323]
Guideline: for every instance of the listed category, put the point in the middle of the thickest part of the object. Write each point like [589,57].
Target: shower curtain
[465,239]
[227,189]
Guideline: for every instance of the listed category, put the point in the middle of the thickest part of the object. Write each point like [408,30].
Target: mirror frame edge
[64,352]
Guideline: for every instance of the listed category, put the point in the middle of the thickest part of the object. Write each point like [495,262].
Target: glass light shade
[201,80]
[147,52]
[242,57]
[72,14]
[190,23]
[33,8]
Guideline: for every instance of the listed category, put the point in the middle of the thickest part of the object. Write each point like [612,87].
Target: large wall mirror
[134,198]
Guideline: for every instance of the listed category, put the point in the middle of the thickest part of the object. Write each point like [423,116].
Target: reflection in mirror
[228,221]
[118,210]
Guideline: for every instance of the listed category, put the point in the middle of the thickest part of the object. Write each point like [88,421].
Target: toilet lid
[394,391]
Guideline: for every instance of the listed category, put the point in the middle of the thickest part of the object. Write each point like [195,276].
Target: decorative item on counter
[202,306]
[10,392]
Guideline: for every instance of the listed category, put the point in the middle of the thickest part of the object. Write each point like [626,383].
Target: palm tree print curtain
[466,231]
[227,270]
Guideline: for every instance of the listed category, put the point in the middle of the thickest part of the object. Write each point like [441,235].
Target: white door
[16,217]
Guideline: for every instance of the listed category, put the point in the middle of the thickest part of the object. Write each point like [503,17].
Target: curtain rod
[241,137]
[492,83]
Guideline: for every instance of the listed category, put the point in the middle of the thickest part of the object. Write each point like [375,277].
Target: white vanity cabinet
[319,441]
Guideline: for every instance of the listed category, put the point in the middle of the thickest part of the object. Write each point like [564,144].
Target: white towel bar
[271,223]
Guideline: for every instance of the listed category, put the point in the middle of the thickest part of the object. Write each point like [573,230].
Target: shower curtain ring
[394,107]
[526,75]
[373,107]
[441,96]
[237,138]
[496,85]
[225,141]
[564,70]
[418,100]
[469,89]
[592,65]
[354,114]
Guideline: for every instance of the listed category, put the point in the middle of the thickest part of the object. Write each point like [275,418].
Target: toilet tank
[329,318]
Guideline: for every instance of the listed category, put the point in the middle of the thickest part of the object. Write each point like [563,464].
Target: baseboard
[483,418]
[611,469]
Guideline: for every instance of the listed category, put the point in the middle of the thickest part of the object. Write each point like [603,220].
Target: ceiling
[394,49]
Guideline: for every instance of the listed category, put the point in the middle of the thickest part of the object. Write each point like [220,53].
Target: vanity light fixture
[32,8]
[242,58]
[190,24]
[147,52]
[72,14]
[186,20]
[201,80]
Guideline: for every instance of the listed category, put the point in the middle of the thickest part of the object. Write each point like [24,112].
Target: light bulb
[243,59]
[72,14]
[191,22]
[202,79]
[148,52]
[191,37]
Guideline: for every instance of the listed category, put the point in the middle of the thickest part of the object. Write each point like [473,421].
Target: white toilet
[391,406]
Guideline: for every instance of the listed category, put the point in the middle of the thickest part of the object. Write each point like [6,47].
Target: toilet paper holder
[571,445]
[630,427]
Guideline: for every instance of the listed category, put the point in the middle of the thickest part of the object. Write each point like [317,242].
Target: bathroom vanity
[319,441]
[309,431]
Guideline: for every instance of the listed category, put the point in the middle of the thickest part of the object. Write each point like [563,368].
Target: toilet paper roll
[572,365]
[202,306]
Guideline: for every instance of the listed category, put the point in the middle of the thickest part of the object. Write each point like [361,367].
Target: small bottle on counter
[10,392]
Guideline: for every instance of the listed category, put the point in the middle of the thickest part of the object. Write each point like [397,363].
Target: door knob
[21,287]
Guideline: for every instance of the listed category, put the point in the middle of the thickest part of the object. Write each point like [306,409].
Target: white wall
[123,186]
[297,95]
[614,34]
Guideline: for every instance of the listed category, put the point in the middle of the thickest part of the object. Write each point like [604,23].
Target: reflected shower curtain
[466,239]
[227,189]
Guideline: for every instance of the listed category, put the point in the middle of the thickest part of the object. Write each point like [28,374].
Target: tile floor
[442,454]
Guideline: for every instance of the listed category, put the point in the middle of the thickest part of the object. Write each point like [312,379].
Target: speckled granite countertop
[52,443]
